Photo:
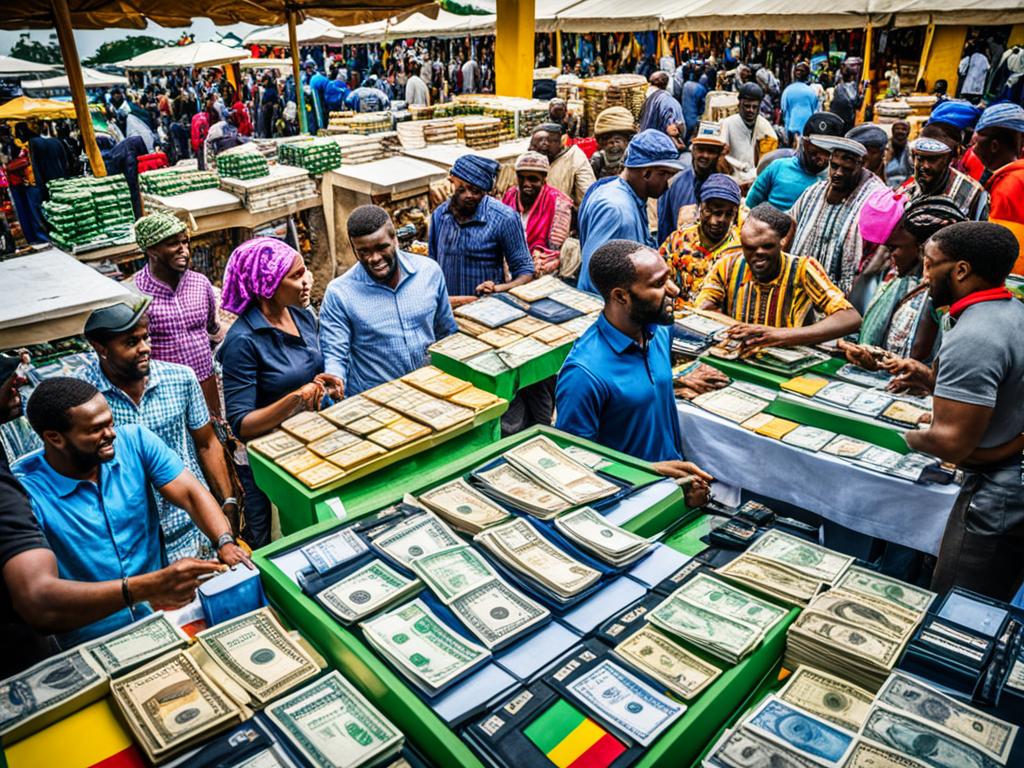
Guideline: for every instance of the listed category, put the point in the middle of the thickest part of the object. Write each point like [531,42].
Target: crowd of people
[895,249]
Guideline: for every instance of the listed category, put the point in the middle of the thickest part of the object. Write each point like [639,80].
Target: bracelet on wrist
[224,539]
[229,500]
[126,593]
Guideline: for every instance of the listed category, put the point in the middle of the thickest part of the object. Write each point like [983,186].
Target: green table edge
[507,383]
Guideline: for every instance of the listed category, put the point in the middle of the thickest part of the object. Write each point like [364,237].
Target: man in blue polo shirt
[615,387]
[94,506]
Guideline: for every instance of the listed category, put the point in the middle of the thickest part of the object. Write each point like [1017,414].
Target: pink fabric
[541,221]
[255,268]
[880,215]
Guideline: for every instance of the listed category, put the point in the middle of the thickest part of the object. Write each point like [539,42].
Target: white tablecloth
[912,514]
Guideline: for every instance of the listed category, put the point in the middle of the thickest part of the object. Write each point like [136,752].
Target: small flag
[569,739]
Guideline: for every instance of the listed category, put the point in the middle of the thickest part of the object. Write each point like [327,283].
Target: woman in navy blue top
[271,358]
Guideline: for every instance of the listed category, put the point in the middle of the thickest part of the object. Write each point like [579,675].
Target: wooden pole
[72,64]
[866,75]
[926,51]
[293,44]
[513,48]
[558,49]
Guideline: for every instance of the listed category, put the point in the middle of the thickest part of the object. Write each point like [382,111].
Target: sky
[91,39]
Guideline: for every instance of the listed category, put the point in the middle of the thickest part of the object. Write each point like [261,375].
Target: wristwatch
[224,539]
[228,500]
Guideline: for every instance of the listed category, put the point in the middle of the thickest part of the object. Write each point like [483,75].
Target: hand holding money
[694,480]
[173,586]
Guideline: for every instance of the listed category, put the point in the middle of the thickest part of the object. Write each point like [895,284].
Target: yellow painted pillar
[926,49]
[72,65]
[293,45]
[513,48]
[866,75]
[558,49]
[944,57]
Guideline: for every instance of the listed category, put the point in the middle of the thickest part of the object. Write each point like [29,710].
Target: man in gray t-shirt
[978,410]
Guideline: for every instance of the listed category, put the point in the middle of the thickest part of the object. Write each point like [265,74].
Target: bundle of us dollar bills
[606,541]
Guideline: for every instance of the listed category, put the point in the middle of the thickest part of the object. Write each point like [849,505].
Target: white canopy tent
[419,25]
[912,13]
[93,79]
[312,31]
[281,65]
[12,67]
[194,55]
[741,15]
[613,15]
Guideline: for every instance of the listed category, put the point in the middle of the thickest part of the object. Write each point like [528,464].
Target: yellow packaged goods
[904,413]
[474,398]
[355,455]
[409,428]
[334,442]
[299,461]
[420,375]
[348,410]
[365,426]
[307,426]
[757,421]
[442,385]
[500,337]
[527,325]
[275,445]
[777,428]
[805,385]
[323,473]
[388,438]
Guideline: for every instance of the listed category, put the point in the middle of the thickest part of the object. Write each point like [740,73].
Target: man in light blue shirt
[378,319]
[615,208]
[94,505]
[615,388]
[799,102]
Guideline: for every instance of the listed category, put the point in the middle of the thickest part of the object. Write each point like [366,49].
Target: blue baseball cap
[652,148]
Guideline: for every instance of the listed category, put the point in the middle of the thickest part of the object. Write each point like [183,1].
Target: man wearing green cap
[183,316]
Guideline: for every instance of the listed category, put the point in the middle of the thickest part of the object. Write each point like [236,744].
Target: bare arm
[262,420]
[955,431]
[211,459]
[49,603]
[188,493]
[834,326]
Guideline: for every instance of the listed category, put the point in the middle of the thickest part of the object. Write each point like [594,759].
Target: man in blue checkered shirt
[166,398]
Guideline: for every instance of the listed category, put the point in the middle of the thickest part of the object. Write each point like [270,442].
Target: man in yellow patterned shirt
[691,251]
[774,295]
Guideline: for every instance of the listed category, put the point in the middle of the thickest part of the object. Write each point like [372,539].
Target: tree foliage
[33,50]
[125,48]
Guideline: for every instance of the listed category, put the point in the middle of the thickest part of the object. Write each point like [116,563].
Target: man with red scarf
[547,212]
[977,418]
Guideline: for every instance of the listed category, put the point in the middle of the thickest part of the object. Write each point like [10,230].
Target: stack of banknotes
[786,567]
[818,719]
[608,542]
[859,628]
[462,507]
[716,617]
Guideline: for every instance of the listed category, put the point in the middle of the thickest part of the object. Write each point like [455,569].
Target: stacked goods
[361,149]
[921,103]
[888,110]
[315,155]
[88,210]
[175,181]
[282,185]
[370,122]
[721,104]
[479,132]
[599,93]
[417,112]
[568,87]
[338,121]
[242,163]
[266,147]
[419,133]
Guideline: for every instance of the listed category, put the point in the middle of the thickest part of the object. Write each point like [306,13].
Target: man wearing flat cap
[749,135]
[826,213]
[1000,140]
[678,206]
[473,236]
[569,170]
[183,322]
[786,178]
[875,140]
[934,175]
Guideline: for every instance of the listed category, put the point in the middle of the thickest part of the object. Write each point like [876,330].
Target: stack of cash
[490,312]
[493,610]
[48,692]
[177,181]
[662,659]
[543,461]
[128,647]
[716,617]
[608,542]
[462,507]
[414,537]
[818,719]
[367,590]
[542,565]
[170,704]
[315,155]
[422,647]
[243,163]
[256,653]
[522,492]
[858,629]
[459,346]
[331,724]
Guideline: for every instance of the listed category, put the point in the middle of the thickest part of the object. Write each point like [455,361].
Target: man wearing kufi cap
[613,129]
[570,169]
[785,179]
[748,134]
[678,206]
[473,236]
[999,142]
[616,207]
[690,251]
[826,213]
[934,174]
[546,212]
[183,321]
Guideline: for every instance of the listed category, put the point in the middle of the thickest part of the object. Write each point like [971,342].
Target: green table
[810,412]
[300,507]
[345,651]
[507,383]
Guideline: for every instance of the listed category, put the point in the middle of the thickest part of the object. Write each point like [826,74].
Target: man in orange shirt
[998,143]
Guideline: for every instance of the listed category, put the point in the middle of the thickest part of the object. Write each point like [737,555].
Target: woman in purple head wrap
[271,358]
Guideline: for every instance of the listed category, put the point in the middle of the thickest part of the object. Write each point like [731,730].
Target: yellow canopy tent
[24,108]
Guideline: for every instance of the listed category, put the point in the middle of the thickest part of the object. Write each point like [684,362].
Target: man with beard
[473,236]
[826,213]
[378,319]
[1000,139]
[183,321]
[616,207]
[678,206]
[613,129]
[749,135]
[165,398]
[93,506]
[898,165]
[977,388]
[547,213]
[786,178]
[570,170]
[615,387]
[934,175]
[773,295]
